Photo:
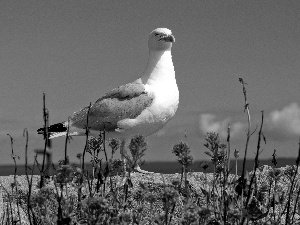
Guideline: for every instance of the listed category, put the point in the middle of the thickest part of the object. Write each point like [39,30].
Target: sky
[76,51]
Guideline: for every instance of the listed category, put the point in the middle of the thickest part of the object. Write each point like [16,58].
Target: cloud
[160,133]
[285,120]
[236,128]
[208,123]
[280,125]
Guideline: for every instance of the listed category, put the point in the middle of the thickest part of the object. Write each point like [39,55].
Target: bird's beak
[169,38]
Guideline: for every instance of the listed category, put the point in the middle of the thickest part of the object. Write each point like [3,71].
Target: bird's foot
[123,179]
[138,169]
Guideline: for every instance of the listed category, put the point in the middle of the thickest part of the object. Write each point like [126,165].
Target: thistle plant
[137,148]
[217,152]
[182,151]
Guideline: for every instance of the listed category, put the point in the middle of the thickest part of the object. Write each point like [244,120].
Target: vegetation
[110,195]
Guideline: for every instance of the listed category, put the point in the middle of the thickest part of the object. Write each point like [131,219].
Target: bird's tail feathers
[55,130]
[58,134]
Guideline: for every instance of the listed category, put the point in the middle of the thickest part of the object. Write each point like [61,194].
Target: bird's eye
[156,34]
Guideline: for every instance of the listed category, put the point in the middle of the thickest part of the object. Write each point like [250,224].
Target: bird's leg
[138,169]
[123,152]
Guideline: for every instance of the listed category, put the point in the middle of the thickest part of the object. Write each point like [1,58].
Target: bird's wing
[124,102]
[126,91]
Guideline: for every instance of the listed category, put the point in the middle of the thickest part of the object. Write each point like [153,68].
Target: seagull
[142,107]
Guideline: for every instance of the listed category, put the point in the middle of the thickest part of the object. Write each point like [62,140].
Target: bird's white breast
[160,83]
[162,109]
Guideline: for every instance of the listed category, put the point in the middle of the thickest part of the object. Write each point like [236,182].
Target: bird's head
[161,39]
